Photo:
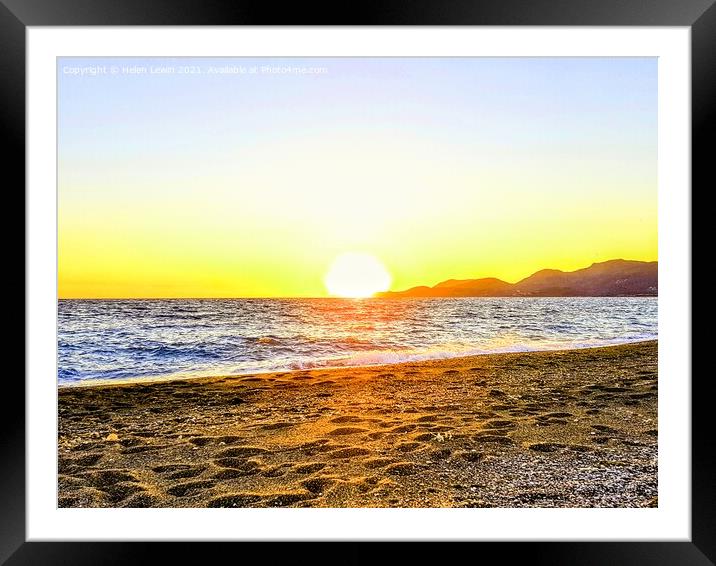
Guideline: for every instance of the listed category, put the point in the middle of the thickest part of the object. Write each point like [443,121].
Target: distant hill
[615,278]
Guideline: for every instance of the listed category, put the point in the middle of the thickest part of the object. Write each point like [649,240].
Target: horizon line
[283,297]
[348,298]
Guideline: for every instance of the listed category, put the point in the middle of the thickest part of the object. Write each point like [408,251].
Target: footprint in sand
[275,471]
[351,452]
[545,420]
[319,485]
[409,446]
[87,446]
[250,469]
[241,452]
[308,468]
[321,448]
[71,464]
[346,419]
[424,436]
[236,467]
[190,488]
[346,430]
[190,472]
[377,462]
[426,419]
[120,491]
[100,478]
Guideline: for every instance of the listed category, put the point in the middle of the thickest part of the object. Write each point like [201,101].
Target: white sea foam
[387,357]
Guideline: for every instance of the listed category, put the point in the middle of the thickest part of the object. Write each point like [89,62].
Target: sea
[100,340]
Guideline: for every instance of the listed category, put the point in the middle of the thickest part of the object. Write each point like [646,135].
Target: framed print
[422,275]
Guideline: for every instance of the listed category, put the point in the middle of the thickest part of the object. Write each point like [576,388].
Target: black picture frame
[16,15]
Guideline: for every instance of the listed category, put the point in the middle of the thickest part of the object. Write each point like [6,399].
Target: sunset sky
[248,185]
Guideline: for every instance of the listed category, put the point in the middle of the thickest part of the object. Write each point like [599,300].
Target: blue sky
[571,142]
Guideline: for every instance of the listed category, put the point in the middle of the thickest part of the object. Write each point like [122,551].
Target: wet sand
[542,429]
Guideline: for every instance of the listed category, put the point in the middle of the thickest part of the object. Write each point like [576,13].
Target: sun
[356,275]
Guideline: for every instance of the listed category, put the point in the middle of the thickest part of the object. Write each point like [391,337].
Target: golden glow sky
[245,185]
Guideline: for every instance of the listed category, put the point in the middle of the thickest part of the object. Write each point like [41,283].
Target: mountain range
[614,278]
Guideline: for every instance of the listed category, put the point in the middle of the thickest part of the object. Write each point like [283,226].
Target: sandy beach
[572,428]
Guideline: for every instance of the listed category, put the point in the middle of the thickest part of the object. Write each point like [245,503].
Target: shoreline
[182,377]
[571,428]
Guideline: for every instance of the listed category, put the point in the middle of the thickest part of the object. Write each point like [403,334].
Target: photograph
[357,282]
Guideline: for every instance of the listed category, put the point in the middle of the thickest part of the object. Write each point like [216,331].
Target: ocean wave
[124,339]
[387,357]
[267,340]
